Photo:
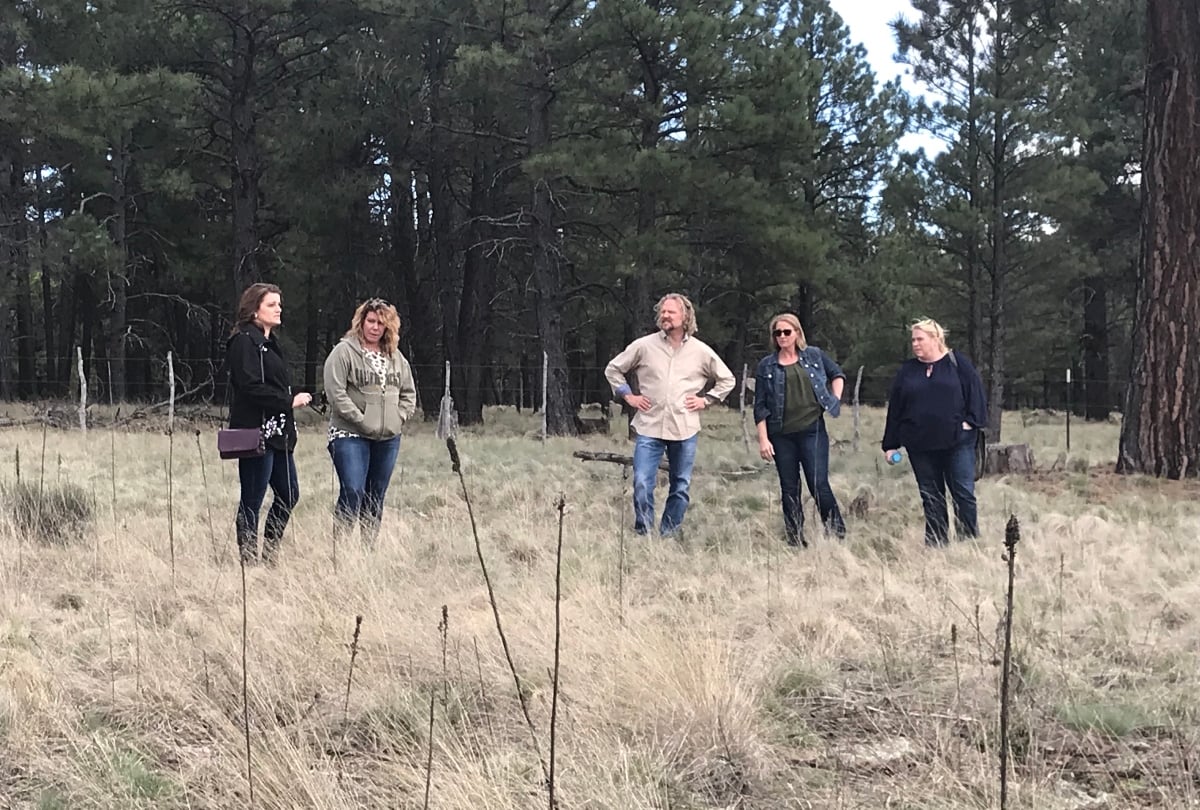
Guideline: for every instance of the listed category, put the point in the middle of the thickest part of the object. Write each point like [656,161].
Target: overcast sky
[868,22]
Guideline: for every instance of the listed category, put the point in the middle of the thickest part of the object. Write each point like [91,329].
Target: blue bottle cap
[895,457]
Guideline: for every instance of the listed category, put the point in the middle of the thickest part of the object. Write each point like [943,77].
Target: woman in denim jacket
[794,387]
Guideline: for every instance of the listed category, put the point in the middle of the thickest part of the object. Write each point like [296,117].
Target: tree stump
[1006,459]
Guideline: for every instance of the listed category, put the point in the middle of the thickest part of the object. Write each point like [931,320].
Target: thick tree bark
[1160,434]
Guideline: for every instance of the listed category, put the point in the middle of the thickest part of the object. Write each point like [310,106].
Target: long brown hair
[248,304]
[387,314]
[689,311]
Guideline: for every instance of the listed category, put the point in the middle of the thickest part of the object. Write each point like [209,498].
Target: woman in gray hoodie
[371,395]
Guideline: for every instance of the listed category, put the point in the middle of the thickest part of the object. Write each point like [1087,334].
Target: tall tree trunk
[419,330]
[479,283]
[68,295]
[119,282]
[14,244]
[975,202]
[312,325]
[1160,434]
[547,260]
[1095,348]
[246,166]
[47,286]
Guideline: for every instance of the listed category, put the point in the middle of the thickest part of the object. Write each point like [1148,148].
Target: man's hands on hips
[691,402]
[638,402]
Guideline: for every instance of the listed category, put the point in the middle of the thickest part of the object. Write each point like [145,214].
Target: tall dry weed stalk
[212,529]
[444,632]
[1012,536]
[350,674]
[171,502]
[621,546]
[112,463]
[246,683]
[483,696]
[429,751]
[112,664]
[137,653]
[42,468]
[561,506]
[456,466]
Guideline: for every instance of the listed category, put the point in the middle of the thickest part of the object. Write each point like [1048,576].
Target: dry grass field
[723,671]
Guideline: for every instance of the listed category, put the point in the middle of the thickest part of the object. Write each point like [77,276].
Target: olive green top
[801,408]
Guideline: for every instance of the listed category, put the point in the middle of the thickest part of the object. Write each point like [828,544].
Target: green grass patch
[1110,719]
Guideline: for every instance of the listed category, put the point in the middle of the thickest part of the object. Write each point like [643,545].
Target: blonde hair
[390,339]
[792,321]
[932,328]
[689,311]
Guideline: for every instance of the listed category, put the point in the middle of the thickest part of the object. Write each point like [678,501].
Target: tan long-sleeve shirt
[666,376]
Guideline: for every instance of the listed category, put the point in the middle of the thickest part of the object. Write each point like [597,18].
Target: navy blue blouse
[927,412]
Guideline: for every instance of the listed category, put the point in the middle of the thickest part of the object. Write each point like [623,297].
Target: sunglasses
[781,332]
[374,303]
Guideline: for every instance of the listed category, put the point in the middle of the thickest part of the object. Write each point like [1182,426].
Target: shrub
[53,514]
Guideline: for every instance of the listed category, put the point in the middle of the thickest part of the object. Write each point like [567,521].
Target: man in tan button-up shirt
[672,368]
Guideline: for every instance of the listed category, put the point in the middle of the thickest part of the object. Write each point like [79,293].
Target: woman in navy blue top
[935,406]
[794,387]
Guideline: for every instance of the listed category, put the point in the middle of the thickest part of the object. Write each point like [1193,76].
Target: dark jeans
[276,469]
[937,470]
[364,470]
[806,451]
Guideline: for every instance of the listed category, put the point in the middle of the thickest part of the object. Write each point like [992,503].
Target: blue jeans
[937,470]
[276,469]
[364,470]
[808,451]
[647,453]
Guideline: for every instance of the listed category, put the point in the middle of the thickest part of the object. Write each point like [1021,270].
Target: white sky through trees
[869,24]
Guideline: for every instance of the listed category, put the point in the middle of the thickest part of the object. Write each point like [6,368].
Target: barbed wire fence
[200,380]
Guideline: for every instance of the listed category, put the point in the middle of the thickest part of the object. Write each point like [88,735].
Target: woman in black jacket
[936,408]
[263,398]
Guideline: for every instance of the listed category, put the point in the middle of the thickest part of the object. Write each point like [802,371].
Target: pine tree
[1160,434]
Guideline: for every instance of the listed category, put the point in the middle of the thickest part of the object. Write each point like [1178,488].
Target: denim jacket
[770,385]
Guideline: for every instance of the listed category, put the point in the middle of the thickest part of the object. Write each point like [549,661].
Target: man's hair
[386,313]
[792,321]
[249,303]
[932,328]
[689,311]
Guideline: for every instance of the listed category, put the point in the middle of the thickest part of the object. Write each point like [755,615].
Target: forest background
[528,178]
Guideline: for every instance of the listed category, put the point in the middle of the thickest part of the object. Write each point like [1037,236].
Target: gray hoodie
[362,403]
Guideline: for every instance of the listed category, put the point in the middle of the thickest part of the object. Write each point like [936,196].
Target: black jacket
[261,390]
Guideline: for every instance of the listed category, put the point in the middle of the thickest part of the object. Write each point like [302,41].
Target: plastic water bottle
[895,457]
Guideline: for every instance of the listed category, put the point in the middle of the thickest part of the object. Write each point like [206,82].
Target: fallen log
[627,461]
